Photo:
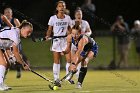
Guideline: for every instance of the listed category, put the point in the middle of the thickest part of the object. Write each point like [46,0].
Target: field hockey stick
[40,39]
[59,82]
[41,76]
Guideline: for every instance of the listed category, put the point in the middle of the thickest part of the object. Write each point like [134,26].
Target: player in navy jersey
[86,50]
[4,19]
[85,29]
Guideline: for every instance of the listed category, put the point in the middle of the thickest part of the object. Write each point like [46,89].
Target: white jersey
[84,25]
[12,33]
[60,26]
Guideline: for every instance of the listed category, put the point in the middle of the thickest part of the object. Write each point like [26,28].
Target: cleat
[8,88]
[2,87]
[79,85]
[57,83]
[71,81]
[18,75]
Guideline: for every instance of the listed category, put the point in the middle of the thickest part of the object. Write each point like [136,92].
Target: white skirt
[59,44]
[5,43]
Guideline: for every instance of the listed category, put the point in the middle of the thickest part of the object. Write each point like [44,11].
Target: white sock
[78,68]
[56,71]
[2,72]
[67,69]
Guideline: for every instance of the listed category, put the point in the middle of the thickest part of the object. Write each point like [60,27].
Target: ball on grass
[55,87]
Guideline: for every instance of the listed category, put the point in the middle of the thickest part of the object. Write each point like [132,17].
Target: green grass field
[39,53]
[95,82]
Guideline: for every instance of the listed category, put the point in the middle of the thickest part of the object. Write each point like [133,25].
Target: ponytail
[77,26]
[25,23]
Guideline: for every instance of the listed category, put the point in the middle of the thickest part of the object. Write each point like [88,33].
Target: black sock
[18,67]
[82,74]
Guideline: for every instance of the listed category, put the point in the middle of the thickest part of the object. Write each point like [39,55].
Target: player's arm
[68,49]
[16,21]
[81,45]
[4,18]
[88,30]
[18,57]
[77,57]
[69,30]
[49,32]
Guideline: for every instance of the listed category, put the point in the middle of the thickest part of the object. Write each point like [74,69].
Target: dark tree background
[41,10]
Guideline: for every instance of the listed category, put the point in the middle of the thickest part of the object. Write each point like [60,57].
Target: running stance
[15,22]
[59,24]
[86,50]
[85,29]
[11,38]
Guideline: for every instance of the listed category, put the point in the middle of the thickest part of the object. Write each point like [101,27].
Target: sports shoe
[8,88]
[18,75]
[79,85]
[71,81]
[2,87]
[57,83]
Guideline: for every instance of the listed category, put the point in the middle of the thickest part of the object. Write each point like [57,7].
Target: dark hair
[25,23]
[78,9]
[77,26]
[57,5]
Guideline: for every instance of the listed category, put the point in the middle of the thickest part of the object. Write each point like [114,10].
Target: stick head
[57,83]
[51,87]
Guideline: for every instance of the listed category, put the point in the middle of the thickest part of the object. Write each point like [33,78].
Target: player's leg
[83,69]
[68,59]
[78,70]
[3,66]
[90,55]
[56,65]
[68,62]
[17,65]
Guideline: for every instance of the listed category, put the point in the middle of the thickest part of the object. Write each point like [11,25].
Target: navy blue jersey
[90,46]
[3,24]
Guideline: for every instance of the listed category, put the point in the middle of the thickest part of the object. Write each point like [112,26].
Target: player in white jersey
[60,26]
[85,29]
[11,38]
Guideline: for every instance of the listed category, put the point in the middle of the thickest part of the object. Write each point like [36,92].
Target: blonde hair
[25,23]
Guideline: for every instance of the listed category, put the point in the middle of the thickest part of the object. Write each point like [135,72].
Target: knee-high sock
[18,67]
[82,74]
[56,71]
[67,69]
[2,73]
[78,68]
[6,71]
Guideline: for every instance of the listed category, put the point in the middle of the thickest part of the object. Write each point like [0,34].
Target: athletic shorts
[5,43]
[94,49]
[59,44]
